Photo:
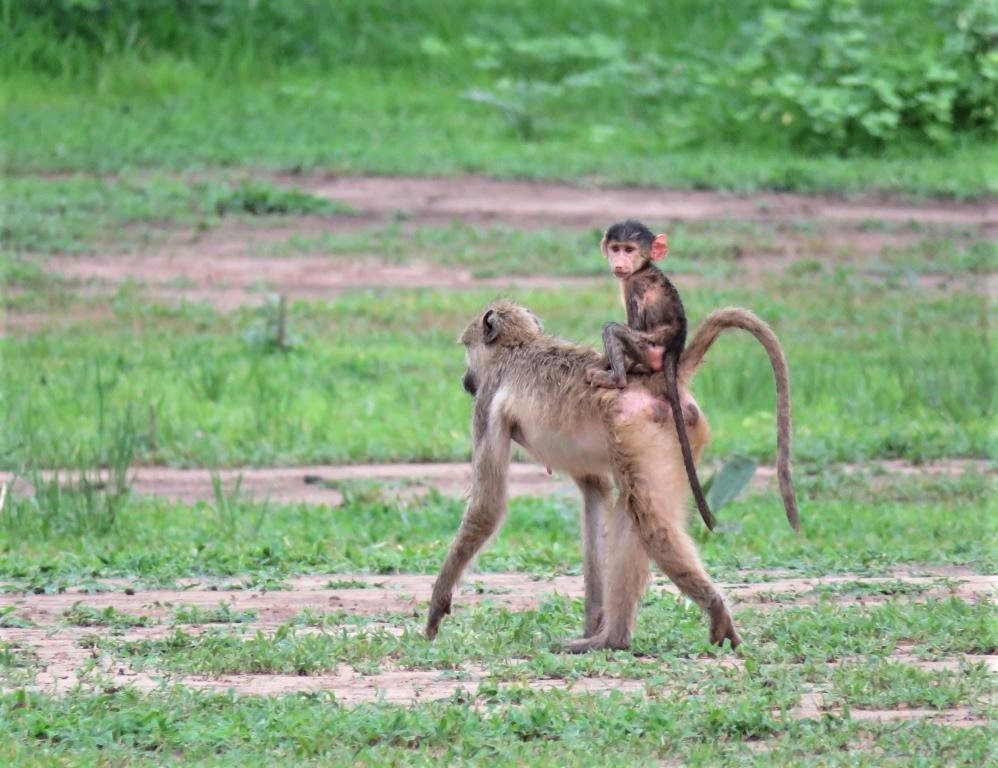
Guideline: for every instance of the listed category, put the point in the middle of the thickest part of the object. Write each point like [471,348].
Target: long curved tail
[735,317]
[679,419]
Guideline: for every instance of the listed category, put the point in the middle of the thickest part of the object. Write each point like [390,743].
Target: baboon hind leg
[654,486]
[672,549]
[624,582]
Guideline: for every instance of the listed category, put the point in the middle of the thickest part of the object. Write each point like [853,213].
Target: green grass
[223,395]
[127,212]
[179,726]
[221,614]
[670,635]
[362,124]
[887,685]
[849,525]
[17,665]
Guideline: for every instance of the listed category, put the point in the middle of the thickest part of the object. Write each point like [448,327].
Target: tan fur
[531,387]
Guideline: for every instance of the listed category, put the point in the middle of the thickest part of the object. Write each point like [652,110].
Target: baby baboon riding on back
[655,333]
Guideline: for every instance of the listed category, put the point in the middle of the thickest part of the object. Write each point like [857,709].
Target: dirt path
[64,656]
[231,265]
[322,484]
[524,201]
[228,281]
[368,595]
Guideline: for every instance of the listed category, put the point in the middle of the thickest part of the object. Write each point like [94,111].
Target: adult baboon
[531,388]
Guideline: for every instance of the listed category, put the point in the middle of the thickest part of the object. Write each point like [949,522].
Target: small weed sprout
[269,332]
[232,508]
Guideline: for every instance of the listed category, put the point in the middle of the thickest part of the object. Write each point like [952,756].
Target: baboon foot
[437,612]
[600,378]
[721,626]
[600,642]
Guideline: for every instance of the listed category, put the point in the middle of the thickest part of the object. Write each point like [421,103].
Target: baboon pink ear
[659,247]
[490,327]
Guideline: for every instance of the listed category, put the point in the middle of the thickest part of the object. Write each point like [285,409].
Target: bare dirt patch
[288,484]
[66,660]
[231,265]
[516,201]
[405,594]
[812,706]
[228,281]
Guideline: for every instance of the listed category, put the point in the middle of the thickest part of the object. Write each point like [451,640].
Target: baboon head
[502,325]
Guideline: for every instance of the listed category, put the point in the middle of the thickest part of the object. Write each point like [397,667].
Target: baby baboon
[531,388]
[655,333]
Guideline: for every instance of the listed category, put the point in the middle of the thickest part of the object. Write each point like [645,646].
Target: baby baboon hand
[599,378]
[437,612]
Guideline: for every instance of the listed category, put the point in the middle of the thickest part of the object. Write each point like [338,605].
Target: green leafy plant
[830,75]
[725,484]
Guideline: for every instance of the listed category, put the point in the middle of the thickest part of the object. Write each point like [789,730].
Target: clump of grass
[260,198]
[284,652]
[236,514]
[81,615]
[17,665]
[10,620]
[351,584]
[96,491]
[223,613]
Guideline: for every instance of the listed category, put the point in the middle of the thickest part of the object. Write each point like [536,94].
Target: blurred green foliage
[827,75]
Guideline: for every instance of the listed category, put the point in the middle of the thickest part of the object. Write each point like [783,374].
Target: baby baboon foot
[721,626]
[600,378]
[437,612]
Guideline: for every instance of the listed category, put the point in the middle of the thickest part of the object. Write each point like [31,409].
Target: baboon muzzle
[469,384]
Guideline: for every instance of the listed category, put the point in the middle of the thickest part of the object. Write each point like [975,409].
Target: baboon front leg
[624,582]
[595,500]
[486,509]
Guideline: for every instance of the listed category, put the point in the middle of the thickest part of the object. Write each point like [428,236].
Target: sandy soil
[66,658]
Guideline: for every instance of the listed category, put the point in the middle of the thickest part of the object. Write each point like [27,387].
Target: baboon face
[627,256]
